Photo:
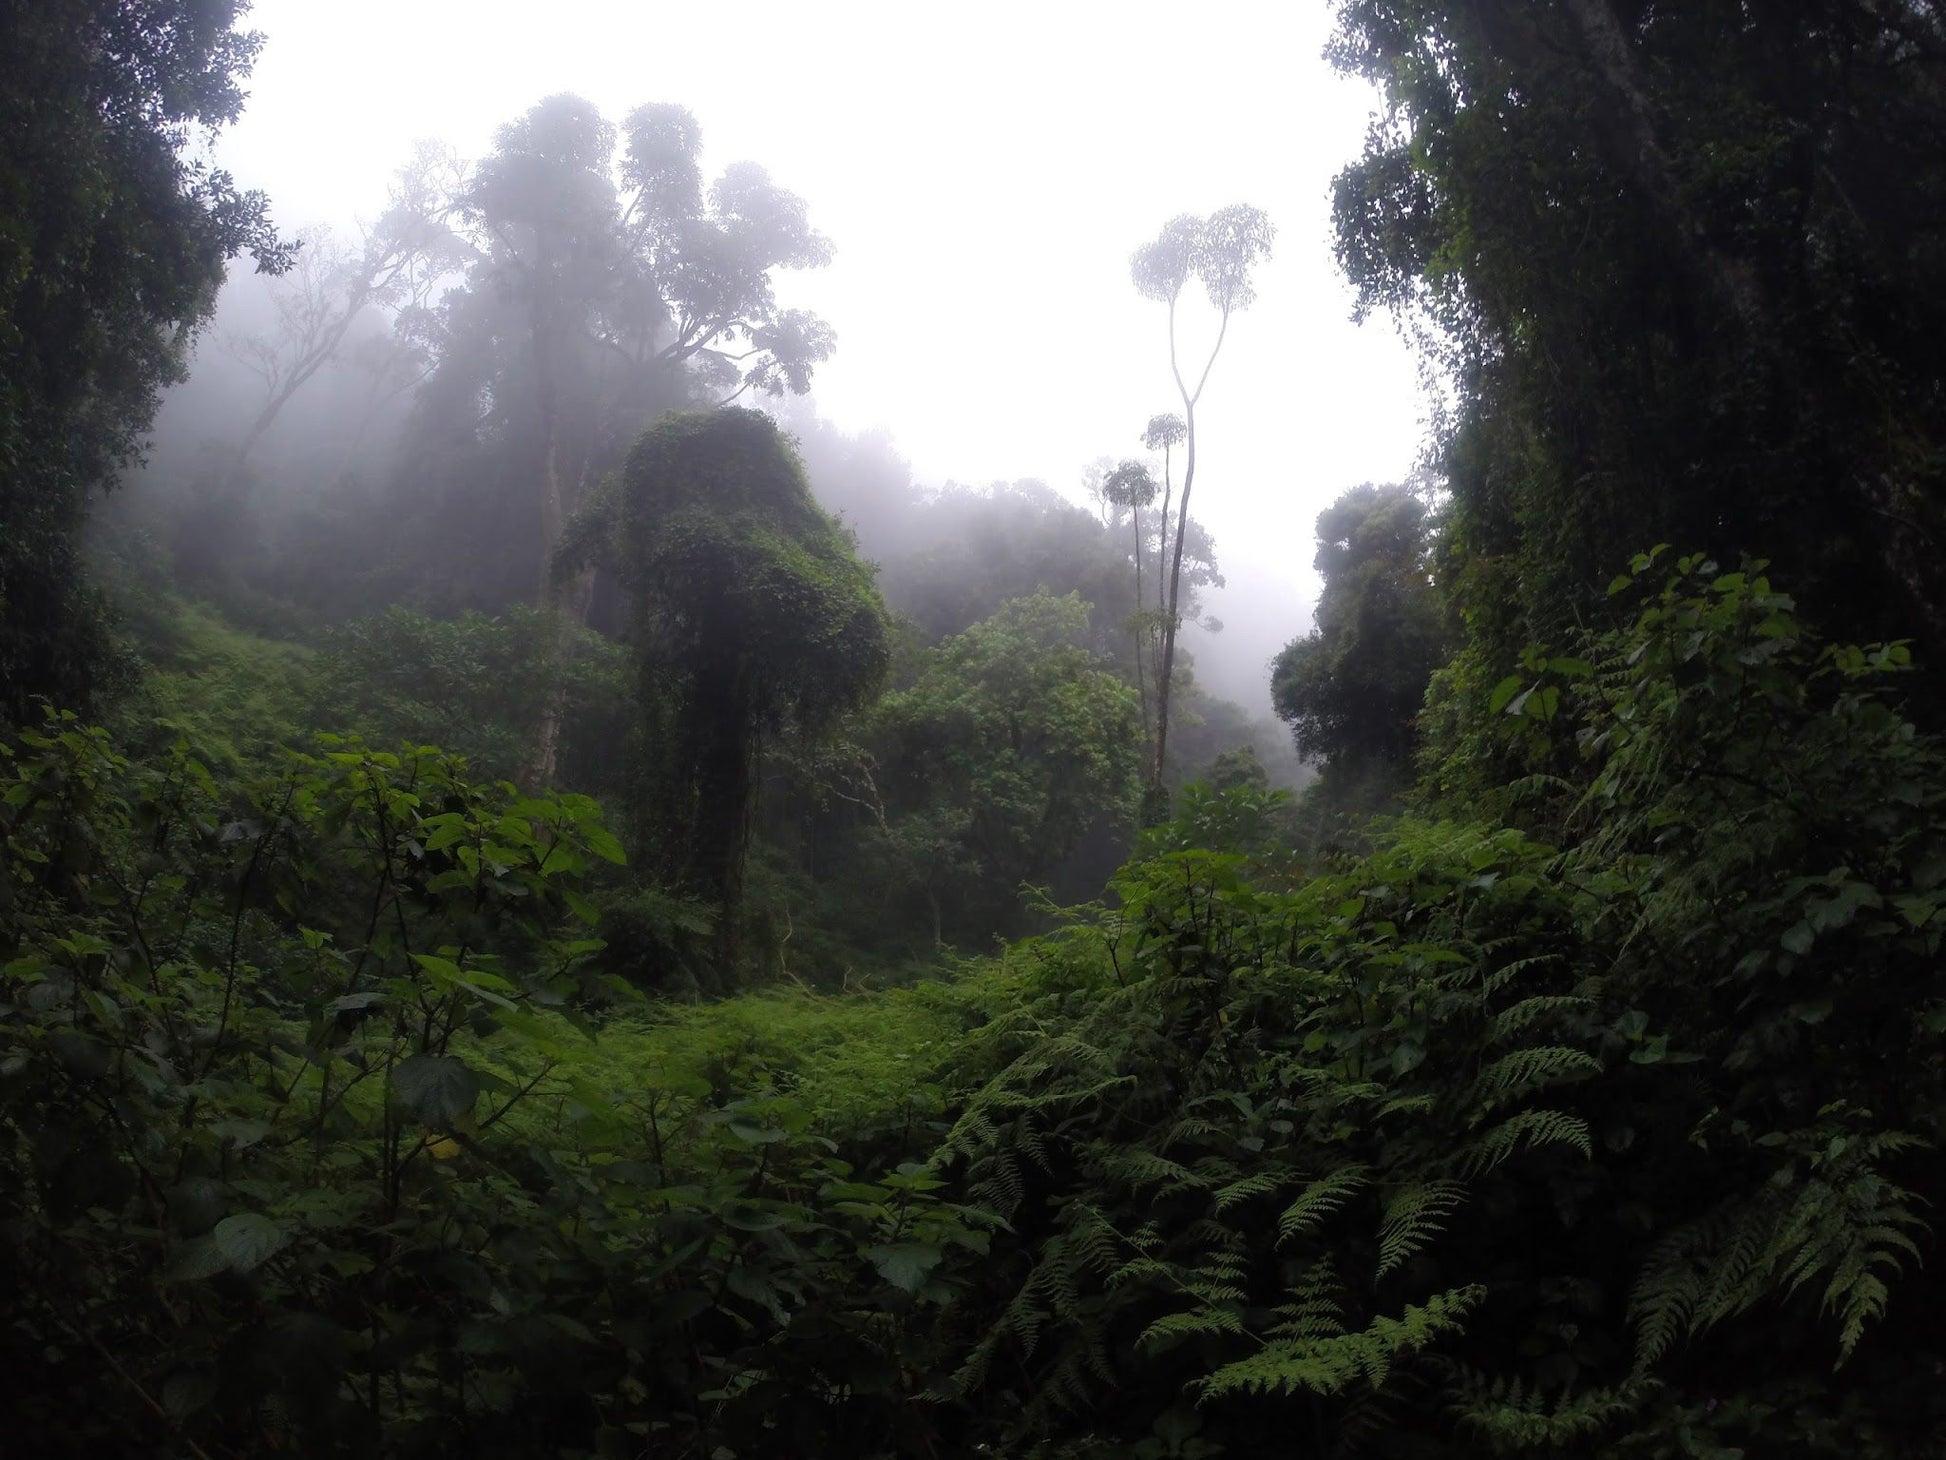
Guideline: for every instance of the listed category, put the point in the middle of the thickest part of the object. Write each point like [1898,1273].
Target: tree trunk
[572,612]
[571,600]
[1141,627]
[722,760]
[547,739]
[1171,618]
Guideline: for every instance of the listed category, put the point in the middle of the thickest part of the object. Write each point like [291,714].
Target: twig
[129,1379]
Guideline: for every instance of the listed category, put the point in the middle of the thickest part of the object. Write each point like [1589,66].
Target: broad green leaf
[438,1088]
[200,1258]
[905,1265]
[247,1239]
[444,971]
[1503,692]
[187,1391]
[604,844]
[753,1219]
[241,1134]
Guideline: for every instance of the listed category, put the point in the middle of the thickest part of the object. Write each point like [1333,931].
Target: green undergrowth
[851,1060]
[237,698]
[1602,1131]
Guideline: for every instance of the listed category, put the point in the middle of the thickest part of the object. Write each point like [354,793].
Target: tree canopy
[1680,265]
[1351,688]
[1012,742]
[112,245]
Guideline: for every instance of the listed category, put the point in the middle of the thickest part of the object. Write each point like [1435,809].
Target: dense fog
[1086,732]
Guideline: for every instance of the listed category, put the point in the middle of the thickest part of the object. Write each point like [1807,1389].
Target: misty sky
[985,173]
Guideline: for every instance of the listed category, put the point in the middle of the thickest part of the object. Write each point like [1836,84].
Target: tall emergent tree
[1220,252]
[607,284]
[754,617]
[1682,265]
[112,245]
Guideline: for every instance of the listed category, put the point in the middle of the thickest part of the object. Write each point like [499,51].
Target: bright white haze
[984,172]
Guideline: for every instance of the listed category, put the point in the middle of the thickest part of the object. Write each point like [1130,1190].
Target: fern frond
[1416,1104]
[1332,1365]
[1534,1128]
[1315,1311]
[1212,1233]
[1514,1420]
[1029,1139]
[1852,1234]
[1512,1022]
[1197,1323]
[1532,1068]
[1091,1244]
[1264,1183]
[1320,1200]
[1023,1316]
[1413,1218]
[1667,1293]
[1138,1167]
[1191,1129]
[1508,973]
[1143,1270]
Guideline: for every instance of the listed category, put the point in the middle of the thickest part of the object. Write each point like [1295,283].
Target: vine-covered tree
[112,245]
[753,618]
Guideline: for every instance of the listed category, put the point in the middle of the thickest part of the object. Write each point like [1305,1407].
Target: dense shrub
[1607,1133]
